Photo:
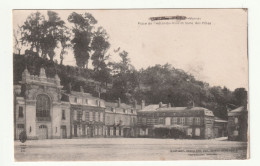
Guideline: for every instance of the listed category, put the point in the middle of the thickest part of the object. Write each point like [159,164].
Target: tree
[240,96]
[124,78]
[32,31]
[44,35]
[65,42]
[100,45]
[83,25]
[53,30]
[17,43]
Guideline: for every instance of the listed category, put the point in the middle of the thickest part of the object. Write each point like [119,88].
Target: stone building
[238,124]
[38,108]
[120,119]
[87,115]
[162,120]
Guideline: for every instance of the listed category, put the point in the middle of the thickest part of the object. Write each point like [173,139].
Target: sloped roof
[237,111]
[164,108]
[115,105]
[152,107]
[217,119]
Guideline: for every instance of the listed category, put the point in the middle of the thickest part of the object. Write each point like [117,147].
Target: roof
[237,111]
[164,108]
[115,105]
[219,120]
[152,107]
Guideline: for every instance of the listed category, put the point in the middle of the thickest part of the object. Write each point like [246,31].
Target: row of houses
[44,111]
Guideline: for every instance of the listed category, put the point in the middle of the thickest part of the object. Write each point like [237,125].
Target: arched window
[43,106]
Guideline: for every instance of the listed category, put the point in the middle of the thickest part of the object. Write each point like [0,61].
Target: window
[90,116]
[161,121]
[20,126]
[97,117]
[83,116]
[75,115]
[97,102]
[86,101]
[132,111]
[143,120]
[78,115]
[63,115]
[182,120]
[174,120]
[87,116]
[20,113]
[112,109]
[197,121]
[236,120]
[101,117]
[190,121]
[42,106]
[94,116]
[75,100]
[124,110]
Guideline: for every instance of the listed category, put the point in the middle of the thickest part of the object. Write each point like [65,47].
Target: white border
[6,146]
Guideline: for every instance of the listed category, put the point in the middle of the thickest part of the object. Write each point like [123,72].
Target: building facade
[44,111]
[87,115]
[175,122]
[120,120]
[38,109]
[238,124]
[220,127]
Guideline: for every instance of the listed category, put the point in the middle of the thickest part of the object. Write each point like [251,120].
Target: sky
[214,51]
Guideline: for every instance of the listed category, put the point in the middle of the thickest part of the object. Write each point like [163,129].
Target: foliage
[44,35]
[82,29]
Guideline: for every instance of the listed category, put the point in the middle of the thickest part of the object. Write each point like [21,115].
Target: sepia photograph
[130,84]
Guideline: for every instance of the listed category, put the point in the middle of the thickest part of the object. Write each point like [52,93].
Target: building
[44,111]
[87,115]
[238,124]
[162,120]
[121,119]
[38,108]
[220,127]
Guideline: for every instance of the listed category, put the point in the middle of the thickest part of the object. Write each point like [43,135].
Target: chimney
[135,104]
[169,105]
[160,105]
[142,104]
[119,102]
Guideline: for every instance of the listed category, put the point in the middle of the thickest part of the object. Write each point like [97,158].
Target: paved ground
[128,149]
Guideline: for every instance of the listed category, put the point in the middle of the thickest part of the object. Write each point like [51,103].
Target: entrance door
[43,132]
[63,132]
[75,131]
[91,131]
[19,129]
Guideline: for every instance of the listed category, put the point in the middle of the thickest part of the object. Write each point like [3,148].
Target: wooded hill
[159,83]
